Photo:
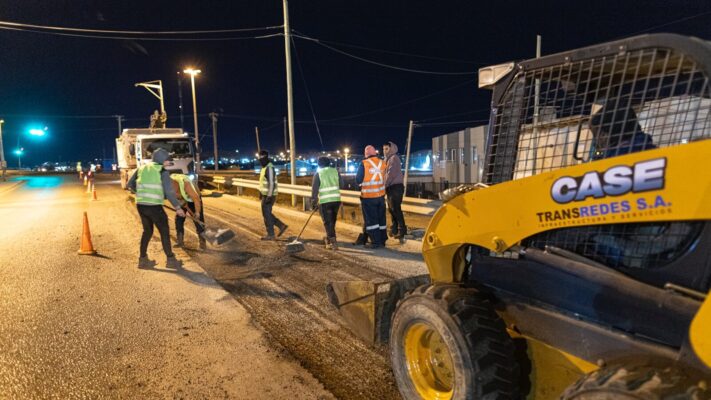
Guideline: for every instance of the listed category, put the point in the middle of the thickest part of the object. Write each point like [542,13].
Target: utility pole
[213,115]
[290,98]
[256,131]
[180,100]
[3,163]
[119,119]
[286,135]
[407,156]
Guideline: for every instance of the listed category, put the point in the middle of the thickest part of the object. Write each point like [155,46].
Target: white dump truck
[135,147]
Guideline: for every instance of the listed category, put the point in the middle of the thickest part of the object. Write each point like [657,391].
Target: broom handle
[307,223]
[190,214]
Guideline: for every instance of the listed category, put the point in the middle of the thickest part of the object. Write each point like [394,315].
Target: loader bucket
[367,306]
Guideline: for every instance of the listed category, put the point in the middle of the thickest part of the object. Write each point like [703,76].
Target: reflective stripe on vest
[328,191]
[181,179]
[149,189]
[373,185]
[263,184]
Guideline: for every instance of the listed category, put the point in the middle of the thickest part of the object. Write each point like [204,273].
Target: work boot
[203,243]
[328,245]
[179,240]
[362,240]
[282,229]
[173,263]
[145,263]
[374,245]
[401,235]
[268,238]
[325,240]
[334,244]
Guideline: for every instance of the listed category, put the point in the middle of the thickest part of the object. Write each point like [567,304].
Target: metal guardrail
[409,204]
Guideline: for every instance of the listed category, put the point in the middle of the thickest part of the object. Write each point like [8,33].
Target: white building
[458,157]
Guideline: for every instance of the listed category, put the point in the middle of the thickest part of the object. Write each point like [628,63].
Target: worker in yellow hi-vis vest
[152,184]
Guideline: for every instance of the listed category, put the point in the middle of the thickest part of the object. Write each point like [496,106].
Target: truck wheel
[446,342]
[637,382]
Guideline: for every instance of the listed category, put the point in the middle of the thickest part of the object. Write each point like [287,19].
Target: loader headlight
[488,76]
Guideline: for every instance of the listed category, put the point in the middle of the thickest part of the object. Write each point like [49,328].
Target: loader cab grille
[555,112]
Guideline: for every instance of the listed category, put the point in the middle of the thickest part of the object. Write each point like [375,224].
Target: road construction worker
[152,183]
[268,193]
[188,193]
[370,177]
[326,195]
[394,190]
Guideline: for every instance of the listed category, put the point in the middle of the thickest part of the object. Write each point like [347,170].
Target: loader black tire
[482,353]
[637,382]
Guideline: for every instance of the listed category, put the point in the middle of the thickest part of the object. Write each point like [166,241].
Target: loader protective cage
[570,108]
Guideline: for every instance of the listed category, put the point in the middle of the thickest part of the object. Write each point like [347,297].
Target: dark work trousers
[329,215]
[374,216]
[154,215]
[269,219]
[395,193]
[180,221]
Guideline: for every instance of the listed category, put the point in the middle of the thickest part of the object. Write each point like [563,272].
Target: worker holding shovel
[188,193]
[152,183]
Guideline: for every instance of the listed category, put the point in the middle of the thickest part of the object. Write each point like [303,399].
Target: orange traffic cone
[89,186]
[93,190]
[86,247]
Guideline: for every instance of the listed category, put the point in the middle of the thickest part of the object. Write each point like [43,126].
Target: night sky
[51,81]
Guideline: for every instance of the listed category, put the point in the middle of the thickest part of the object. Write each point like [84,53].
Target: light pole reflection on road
[19,152]
[3,163]
[192,73]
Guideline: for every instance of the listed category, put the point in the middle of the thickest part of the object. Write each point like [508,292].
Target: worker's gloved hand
[270,199]
[314,204]
[180,213]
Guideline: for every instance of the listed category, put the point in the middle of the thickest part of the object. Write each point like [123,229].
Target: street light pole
[192,73]
[213,115]
[346,150]
[290,98]
[407,156]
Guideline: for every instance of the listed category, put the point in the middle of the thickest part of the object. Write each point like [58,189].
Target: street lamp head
[37,132]
[346,150]
[191,71]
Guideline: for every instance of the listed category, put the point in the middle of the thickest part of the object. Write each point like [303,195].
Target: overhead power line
[398,53]
[308,96]
[128,32]
[139,38]
[406,102]
[380,64]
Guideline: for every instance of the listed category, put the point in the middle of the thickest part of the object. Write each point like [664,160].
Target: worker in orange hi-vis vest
[371,179]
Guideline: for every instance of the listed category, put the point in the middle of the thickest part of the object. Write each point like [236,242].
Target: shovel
[215,237]
[295,246]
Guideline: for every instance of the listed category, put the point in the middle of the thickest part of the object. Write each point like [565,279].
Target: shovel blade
[217,237]
[295,247]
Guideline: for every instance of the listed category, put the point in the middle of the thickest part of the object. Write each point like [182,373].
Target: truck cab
[135,147]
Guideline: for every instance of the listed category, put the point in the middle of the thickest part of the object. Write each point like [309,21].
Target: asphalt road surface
[98,327]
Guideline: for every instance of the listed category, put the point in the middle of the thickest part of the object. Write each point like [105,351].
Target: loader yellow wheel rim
[429,362]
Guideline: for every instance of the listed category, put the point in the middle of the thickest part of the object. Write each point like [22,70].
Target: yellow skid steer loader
[580,268]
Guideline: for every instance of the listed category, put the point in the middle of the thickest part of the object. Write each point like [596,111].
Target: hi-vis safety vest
[263,184]
[149,189]
[182,179]
[329,191]
[373,182]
